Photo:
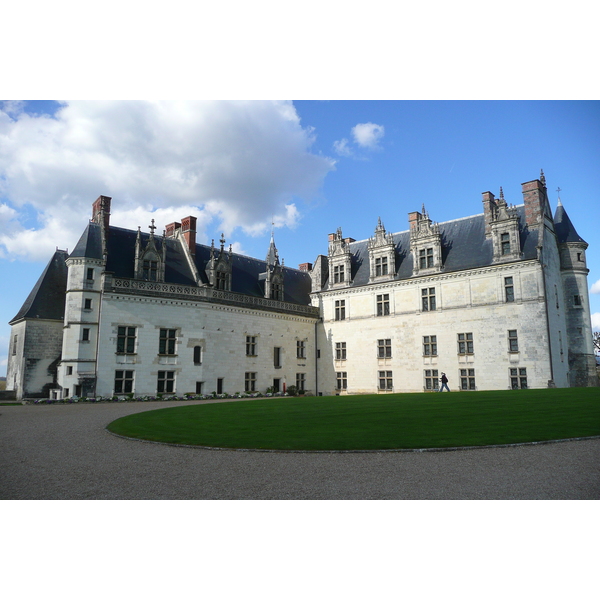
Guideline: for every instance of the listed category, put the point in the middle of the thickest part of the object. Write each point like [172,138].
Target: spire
[272,254]
[501,195]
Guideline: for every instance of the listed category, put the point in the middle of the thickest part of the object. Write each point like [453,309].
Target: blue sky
[308,166]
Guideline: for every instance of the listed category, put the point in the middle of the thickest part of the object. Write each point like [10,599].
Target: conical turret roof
[565,231]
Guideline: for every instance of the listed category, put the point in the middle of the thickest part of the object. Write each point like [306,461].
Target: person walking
[444,383]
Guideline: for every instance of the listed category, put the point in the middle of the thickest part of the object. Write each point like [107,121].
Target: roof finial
[152,227]
[501,194]
[222,240]
[542,177]
[558,190]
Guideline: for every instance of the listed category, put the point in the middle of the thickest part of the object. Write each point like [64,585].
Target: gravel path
[63,452]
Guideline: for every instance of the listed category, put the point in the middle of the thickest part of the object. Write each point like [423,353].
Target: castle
[498,300]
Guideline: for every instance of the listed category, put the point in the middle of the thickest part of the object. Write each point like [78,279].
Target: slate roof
[47,298]
[464,246]
[565,231]
[245,270]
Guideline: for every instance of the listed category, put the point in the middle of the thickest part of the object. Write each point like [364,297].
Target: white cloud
[596,321]
[240,162]
[368,135]
[341,147]
[595,289]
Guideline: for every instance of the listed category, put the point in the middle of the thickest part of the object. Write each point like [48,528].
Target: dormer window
[426,258]
[338,274]
[505,243]
[150,270]
[221,282]
[381,266]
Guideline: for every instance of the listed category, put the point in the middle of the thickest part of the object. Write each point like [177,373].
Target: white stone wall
[219,329]
[467,302]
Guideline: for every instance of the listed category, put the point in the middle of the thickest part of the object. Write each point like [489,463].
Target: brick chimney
[188,229]
[413,218]
[305,267]
[101,211]
[171,228]
[534,199]
[489,204]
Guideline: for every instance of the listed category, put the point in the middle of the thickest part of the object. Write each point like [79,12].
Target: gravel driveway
[64,452]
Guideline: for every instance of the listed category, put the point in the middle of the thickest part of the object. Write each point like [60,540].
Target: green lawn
[375,421]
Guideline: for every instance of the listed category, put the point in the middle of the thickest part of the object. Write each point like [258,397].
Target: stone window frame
[251,344]
[513,341]
[467,379]
[384,348]
[165,382]
[198,352]
[167,342]
[250,381]
[518,378]
[341,380]
[340,351]
[381,266]
[301,349]
[340,310]
[124,381]
[300,382]
[126,340]
[385,380]
[431,379]
[430,345]
[465,343]
[509,289]
[428,300]
[338,274]
[383,305]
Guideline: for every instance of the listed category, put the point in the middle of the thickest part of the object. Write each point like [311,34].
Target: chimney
[101,211]
[413,218]
[349,240]
[171,228]
[331,237]
[305,267]
[188,229]
[489,204]
[534,199]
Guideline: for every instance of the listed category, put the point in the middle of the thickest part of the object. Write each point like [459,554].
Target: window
[85,335]
[340,351]
[250,382]
[505,243]
[383,305]
[166,382]
[167,340]
[579,259]
[123,382]
[381,266]
[340,310]
[467,379]
[300,349]
[429,345]
[385,380]
[384,348]
[14,346]
[426,258]
[197,355]
[277,357]
[87,304]
[300,382]
[509,290]
[250,345]
[577,300]
[125,340]
[220,385]
[150,268]
[342,380]
[431,379]
[221,280]
[465,343]
[518,379]
[276,292]
[90,274]
[513,341]
[199,387]
[428,299]
[69,370]
[338,274]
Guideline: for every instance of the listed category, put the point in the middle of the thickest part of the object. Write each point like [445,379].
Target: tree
[596,336]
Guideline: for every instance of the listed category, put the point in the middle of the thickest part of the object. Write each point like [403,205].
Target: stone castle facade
[497,300]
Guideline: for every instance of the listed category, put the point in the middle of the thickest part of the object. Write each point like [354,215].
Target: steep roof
[245,269]
[47,298]
[90,243]
[464,246]
[565,231]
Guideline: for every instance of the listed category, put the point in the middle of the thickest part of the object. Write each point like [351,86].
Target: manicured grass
[375,421]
